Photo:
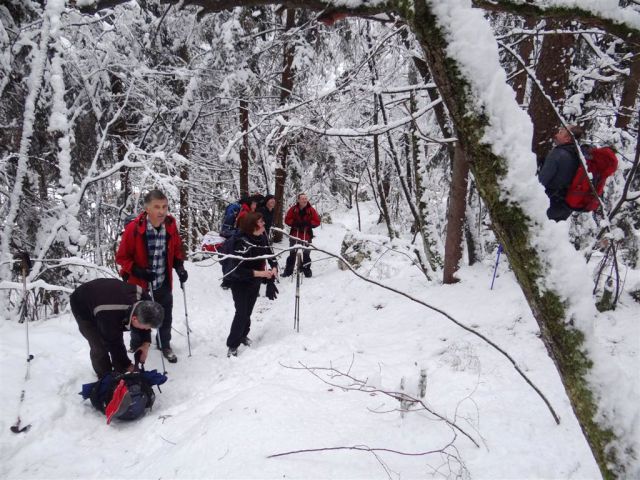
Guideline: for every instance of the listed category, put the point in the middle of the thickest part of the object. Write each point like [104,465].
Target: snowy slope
[221,418]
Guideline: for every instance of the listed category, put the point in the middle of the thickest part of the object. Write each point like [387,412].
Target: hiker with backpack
[244,276]
[235,211]
[104,308]
[558,170]
[302,218]
[150,250]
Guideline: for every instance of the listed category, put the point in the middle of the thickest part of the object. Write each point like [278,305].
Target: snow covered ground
[222,418]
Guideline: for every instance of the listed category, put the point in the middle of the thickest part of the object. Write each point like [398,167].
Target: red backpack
[601,164]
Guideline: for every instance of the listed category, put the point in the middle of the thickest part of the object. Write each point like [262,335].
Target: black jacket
[108,303]
[559,168]
[249,247]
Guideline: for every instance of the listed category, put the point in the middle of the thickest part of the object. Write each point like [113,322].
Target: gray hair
[149,313]
[154,195]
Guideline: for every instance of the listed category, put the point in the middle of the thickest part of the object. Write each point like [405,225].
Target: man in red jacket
[150,249]
[302,218]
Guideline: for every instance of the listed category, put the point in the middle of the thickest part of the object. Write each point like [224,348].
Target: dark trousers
[98,353]
[164,297]
[291,259]
[244,298]
[558,210]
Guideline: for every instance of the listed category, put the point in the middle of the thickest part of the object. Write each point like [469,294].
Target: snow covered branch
[363,132]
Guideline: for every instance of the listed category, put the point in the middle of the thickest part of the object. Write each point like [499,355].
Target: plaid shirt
[156,251]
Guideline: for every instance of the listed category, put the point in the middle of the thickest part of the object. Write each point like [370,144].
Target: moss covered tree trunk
[564,344]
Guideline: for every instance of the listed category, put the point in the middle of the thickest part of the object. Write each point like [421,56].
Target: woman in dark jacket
[267,210]
[246,276]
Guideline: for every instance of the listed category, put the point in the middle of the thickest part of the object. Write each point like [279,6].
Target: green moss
[574,366]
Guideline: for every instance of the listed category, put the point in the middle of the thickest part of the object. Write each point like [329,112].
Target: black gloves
[182,275]
[272,290]
[143,273]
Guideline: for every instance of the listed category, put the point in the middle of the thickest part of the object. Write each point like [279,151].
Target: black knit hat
[256,197]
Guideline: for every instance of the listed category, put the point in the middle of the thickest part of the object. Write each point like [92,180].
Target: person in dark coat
[105,308]
[267,210]
[245,277]
[149,251]
[558,170]
[302,218]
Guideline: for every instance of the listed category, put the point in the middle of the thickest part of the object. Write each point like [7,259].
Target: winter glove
[182,275]
[143,273]
[272,290]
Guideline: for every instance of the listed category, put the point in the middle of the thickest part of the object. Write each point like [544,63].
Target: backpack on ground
[601,163]
[212,242]
[123,396]
[228,227]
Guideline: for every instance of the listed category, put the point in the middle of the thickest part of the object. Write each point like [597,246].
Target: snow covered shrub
[375,256]
[354,250]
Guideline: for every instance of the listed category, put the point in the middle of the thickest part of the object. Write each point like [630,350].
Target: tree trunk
[564,343]
[427,243]
[552,72]
[457,190]
[244,148]
[382,191]
[525,47]
[629,94]
[286,86]
[185,230]
[455,215]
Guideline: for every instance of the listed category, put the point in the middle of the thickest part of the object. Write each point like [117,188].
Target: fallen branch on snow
[309,246]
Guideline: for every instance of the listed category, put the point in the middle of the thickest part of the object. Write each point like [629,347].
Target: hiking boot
[285,274]
[307,272]
[246,341]
[232,352]
[169,355]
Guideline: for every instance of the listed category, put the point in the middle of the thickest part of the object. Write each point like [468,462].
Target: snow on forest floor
[221,418]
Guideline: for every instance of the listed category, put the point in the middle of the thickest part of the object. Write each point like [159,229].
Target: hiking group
[150,249]
[247,227]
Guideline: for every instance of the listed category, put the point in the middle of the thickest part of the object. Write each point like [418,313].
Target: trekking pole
[296,318]
[495,269]
[26,268]
[186,316]
[164,369]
